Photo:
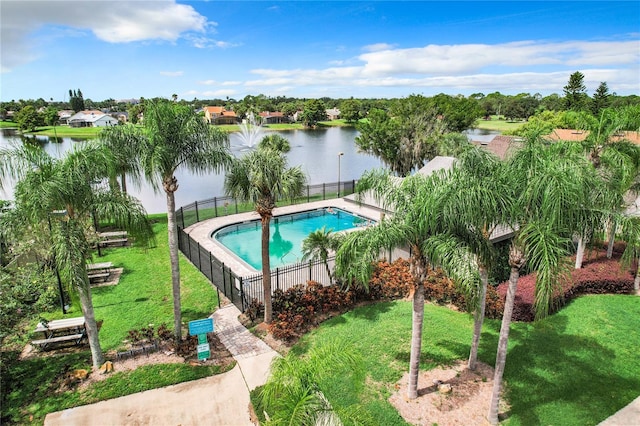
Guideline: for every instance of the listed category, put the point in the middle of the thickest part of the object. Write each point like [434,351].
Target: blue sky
[216,49]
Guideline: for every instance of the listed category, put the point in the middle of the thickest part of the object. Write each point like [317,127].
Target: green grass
[66,131]
[7,124]
[574,368]
[498,125]
[142,297]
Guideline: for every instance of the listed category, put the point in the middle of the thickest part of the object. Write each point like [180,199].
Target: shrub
[598,275]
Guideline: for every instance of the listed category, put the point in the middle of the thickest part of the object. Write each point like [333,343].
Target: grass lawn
[498,125]
[574,368]
[142,297]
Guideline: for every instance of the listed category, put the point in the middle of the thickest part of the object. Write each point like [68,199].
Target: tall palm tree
[551,188]
[476,200]
[318,244]
[124,142]
[262,177]
[71,185]
[418,222]
[177,138]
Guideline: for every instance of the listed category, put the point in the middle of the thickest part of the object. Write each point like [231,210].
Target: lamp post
[57,213]
[340,154]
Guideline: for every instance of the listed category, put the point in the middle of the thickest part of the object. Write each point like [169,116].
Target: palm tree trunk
[636,281]
[580,252]
[172,230]
[612,239]
[501,356]
[266,270]
[84,293]
[479,317]
[416,340]
[123,182]
[326,265]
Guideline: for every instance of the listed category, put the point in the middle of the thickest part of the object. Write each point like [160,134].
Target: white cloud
[113,22]
[378,47]
[171,73]
[524,66]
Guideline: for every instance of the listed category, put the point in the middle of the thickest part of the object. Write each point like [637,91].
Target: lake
[316,151]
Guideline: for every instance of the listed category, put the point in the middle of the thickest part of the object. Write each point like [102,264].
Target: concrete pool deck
[201,231]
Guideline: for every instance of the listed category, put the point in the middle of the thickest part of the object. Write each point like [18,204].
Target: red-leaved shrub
[598,275]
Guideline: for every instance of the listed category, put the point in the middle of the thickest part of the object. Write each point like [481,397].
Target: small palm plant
[318,245]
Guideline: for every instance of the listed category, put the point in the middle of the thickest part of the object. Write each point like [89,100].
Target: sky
[124,49]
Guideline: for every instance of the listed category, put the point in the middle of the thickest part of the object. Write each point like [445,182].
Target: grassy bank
[142,297]
[575,368]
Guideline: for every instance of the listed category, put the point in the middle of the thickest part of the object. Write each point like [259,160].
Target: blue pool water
[286,232]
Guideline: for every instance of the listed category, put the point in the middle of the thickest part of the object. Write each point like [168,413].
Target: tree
[76,100]
[313,112]
[27,119]
[601,99]
[404,139]
[294,395]
[67,185]
[275,142]
[550,188]
[459,113]
[575,93]
[417,222]
[124,142]
[351,110]
[177,138]
[318,244]
[262,178]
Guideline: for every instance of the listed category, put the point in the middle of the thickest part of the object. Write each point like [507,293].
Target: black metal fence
[242,290]
[223,206]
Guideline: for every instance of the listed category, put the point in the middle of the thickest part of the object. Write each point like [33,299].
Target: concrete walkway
[217,400]
[628,416]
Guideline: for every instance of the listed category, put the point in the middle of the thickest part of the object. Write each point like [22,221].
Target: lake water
[316,151]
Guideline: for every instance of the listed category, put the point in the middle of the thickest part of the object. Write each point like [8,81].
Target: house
[273,117]
[220,115]
[580,135]
[92,118]
[64,116]
[501,145]
[333,113]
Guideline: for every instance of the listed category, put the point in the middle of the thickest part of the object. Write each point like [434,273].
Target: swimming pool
[286,232]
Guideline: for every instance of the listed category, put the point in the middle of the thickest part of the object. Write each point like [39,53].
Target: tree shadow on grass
[548,370]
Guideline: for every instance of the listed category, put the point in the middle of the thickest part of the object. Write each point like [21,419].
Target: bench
[100,276]
[118,241]
[70,337]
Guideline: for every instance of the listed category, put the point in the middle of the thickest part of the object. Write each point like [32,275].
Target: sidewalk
[628,416]
[217,400]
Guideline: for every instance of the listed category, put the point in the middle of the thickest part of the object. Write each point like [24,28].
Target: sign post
[200,328]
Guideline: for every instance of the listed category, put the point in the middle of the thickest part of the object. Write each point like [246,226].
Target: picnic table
[59,331]
[99,271]
[113,238]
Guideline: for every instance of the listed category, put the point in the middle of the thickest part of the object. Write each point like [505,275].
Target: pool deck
[201,231]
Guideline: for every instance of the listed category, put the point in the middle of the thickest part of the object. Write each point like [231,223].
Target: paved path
[221,400]
[628,416]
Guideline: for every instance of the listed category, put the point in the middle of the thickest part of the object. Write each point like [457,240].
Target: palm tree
[123,141]
[275,141]
[551,187]
[293,395]
[176,137]
[318,244]
[418,222]
[71,185]
[618,163]
[262,177]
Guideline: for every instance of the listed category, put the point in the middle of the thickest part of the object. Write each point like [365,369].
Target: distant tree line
[459,111]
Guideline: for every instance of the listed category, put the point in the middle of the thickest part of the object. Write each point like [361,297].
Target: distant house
[92,118]
[580,135]
[220,115]
[269,117]
[64,116]
[121,116]
[501,145]
[333,113]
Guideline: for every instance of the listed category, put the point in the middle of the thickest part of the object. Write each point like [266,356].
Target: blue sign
[202,326]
